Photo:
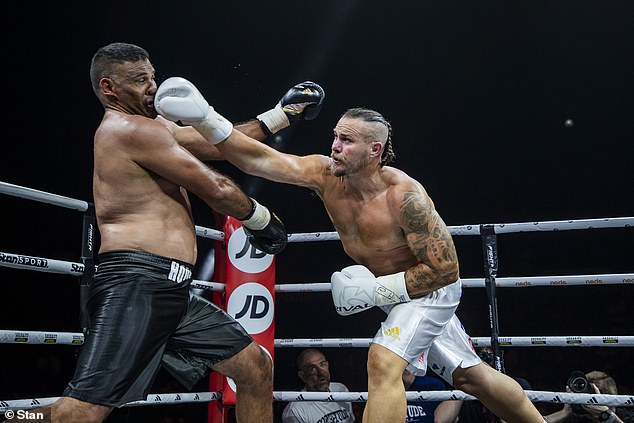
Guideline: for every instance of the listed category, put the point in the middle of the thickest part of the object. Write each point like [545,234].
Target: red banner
[249,297]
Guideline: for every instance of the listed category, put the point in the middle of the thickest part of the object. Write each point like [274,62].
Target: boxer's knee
[251,365]
[69,410]
[384,365]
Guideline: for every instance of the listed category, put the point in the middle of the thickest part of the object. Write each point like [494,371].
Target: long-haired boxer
[407,262]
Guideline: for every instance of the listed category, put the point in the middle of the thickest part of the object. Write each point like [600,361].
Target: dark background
[477,93]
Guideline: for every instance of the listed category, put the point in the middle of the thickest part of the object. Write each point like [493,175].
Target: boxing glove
[177,99]
[355,289]
[303,101]
[264,229]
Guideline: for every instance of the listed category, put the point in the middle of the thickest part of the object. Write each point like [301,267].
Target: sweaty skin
[388,223]
[385,219]
[139,172]
[139,169]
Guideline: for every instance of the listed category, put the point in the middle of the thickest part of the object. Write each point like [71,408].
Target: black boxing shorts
[141,314]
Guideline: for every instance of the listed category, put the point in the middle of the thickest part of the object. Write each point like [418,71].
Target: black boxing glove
[265,230]
[303,101]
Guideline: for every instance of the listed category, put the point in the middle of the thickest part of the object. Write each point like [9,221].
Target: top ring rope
[500,228]
[43,197]
[79,205]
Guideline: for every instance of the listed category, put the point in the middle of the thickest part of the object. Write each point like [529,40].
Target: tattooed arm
[430,241]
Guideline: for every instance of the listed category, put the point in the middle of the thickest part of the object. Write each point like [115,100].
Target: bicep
[158,151]
[261,160]
[191,140]
[427,235]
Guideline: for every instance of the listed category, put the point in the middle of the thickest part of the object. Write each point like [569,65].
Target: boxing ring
[84,270]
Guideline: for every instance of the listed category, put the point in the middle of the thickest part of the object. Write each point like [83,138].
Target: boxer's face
[315,372]
[132,87]
[350,150]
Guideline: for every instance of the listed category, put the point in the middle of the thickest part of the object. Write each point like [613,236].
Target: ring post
[249,298]
[87,258]
[490,249]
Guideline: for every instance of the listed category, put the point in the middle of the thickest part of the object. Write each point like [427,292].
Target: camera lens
[578,383]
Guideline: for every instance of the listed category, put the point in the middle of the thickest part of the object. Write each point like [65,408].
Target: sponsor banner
[249,297]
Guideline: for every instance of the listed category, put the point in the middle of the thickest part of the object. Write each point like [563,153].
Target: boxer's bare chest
[369,230]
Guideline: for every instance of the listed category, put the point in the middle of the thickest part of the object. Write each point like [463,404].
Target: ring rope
[295,396]
[551,225]
[21,261]
[507,282]
[152,399]
[43,197]
[58,266]
[505,341]
[77,338]
[500,228]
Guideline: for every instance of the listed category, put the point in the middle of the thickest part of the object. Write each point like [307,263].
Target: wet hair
[104,60]
[368,115]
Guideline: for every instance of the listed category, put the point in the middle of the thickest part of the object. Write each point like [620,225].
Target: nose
[336,146]
[153,87]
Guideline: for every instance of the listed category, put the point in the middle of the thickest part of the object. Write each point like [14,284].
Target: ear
[376,149]
[106,85]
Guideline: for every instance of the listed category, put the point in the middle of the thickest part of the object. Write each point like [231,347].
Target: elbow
[449,274]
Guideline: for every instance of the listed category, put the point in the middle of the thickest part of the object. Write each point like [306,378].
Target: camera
[578,383]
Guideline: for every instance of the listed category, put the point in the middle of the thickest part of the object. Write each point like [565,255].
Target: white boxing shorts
[426,332]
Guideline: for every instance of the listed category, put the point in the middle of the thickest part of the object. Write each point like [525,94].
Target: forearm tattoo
[430,242]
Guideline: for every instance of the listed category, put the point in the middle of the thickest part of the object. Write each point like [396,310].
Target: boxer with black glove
[177,99]
[302,101]
[264,229]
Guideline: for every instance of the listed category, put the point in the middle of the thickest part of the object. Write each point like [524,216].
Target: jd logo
[246,257]
[254,314]
[247,248]
[251,304]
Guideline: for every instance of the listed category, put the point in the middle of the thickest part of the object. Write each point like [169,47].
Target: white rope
[414,396]
[76,338]
[214,234]
[508,282]
[43,197]
[151,399]
[41,338]
[505,341]
[500,228]
[209,286]
[72,268]
[295,396]
[40,264]
[552,225]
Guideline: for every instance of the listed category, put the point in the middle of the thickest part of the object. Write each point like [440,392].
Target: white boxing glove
[356,289]
[177,99]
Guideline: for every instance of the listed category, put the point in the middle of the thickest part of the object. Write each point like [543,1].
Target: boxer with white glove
[302,101]
[177,99]
[355,289]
